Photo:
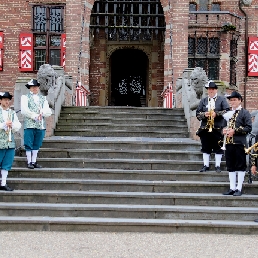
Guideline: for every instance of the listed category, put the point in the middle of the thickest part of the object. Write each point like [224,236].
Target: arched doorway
[128,80]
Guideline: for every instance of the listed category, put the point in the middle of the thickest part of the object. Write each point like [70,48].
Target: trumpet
[210,122]
[225,138]
[254,147]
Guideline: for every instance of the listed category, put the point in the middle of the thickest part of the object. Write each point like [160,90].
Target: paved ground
[123,245]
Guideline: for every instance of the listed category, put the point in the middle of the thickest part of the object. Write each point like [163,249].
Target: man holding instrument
[34,108]
[210,112]
[9,123]
[239,125]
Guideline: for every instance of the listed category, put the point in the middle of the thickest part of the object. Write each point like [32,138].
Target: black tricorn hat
[235,94]
[6,95]
[211,84]
[32,82]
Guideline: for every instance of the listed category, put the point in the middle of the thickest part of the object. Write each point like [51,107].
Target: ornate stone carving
[50,83]
[247,2]
[198,79]
[46,77]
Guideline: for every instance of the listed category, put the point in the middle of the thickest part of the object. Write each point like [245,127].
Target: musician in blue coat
[210,112]
[9,124]
[239,125]
[34,108]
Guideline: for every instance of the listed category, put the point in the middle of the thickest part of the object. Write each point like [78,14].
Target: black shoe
[6,188]
[237,193]
[229,192]
[36,165]
[30,165]
[256,220]
[204,169]
[217,169]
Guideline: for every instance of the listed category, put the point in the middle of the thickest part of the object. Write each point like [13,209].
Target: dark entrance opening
[128,78]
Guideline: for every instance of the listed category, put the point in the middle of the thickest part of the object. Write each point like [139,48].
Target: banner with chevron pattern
[253,56]
[26,52]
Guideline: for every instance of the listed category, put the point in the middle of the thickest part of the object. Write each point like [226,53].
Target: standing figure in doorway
[239,125]
[34,108]
[210,112]
[9,124]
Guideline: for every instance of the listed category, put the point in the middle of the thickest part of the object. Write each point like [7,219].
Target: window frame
[47,32]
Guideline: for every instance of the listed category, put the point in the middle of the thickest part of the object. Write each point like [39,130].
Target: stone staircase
[124,169]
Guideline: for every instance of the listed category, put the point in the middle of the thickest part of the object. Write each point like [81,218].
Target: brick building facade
[134,54]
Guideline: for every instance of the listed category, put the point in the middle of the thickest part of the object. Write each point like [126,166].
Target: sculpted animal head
[198,79]
[46,76]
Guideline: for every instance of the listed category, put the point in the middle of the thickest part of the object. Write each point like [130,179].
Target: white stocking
[232,180]
[218,158]
[34,156]
[4,176]
[28,154]
[240,180]
[206,159]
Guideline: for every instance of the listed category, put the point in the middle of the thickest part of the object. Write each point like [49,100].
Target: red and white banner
[168,98]
[1,50]
[26,52]
[63,49]
[82,96]
[253,56]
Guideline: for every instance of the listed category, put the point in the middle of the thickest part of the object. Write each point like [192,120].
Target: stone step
[124,110]
[125,164]
[167,212]
[139,198]
[125,185]
[118,154]
[147,122]
[121,143]
[118,174]
[126,127]
[128,116]
[119,133]
[84,224]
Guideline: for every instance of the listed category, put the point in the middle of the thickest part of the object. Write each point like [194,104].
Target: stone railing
[188,97]
[58,95]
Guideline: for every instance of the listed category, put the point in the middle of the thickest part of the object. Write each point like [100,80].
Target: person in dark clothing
[239,125]
[210,112]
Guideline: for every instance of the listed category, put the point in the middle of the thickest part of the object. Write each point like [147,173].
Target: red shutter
[26,52]
[253,56]
[1,50]
[63,49]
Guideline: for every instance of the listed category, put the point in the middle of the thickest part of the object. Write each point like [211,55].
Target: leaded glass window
[214,46]
[233,60]
[202,46]
[215,7]
[124,20]
[203,5]
[47,28]
[204,52]
[192,7]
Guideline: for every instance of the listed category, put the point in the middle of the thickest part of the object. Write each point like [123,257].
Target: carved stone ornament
[247,2]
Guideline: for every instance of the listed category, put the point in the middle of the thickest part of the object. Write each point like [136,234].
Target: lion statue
[198,79]
[46,77]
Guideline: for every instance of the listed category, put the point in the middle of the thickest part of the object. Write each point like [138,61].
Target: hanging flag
[26,52]
[253,56]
